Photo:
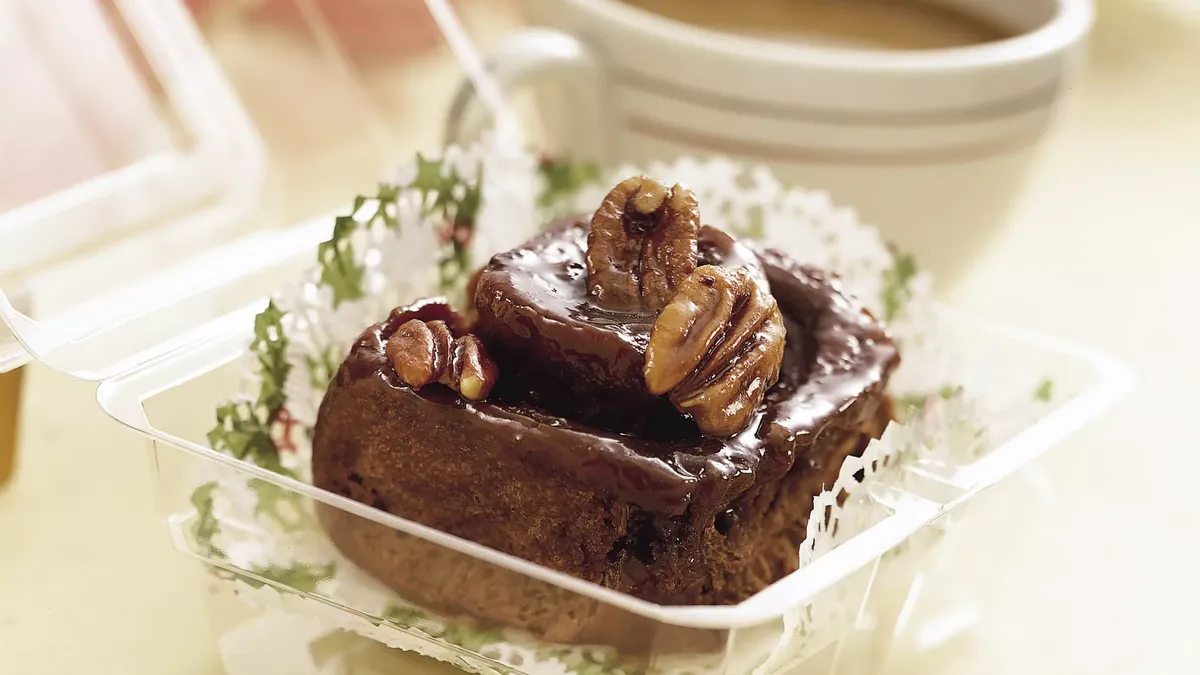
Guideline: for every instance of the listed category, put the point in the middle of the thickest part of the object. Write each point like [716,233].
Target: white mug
[932,146]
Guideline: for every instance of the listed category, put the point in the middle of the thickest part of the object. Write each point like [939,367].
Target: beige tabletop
[1102,247]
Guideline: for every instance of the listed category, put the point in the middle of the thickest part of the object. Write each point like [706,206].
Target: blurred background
[1039,156]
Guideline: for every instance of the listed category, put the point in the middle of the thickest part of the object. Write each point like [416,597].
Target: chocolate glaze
[836,354]
[563,351]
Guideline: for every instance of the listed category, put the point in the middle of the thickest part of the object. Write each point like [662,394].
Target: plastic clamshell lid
[210,183]
[109,268]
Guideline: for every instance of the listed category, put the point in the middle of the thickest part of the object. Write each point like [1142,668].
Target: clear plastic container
[167,339]
[873,576]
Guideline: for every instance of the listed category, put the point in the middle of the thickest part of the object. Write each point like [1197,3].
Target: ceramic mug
[932,146]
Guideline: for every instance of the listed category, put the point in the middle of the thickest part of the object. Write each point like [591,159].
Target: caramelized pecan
[716,348]
[476,373]
[642,244]
[424,352]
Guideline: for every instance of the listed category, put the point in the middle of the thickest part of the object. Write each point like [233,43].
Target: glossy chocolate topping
[836,352]
[561,350]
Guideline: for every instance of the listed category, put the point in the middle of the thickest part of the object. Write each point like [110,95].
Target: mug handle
[527,55]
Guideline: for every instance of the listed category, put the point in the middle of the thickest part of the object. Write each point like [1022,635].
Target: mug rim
[1071,21]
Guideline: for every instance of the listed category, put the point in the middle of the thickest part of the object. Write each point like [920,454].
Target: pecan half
[424,352]
[642,244]
[717,348]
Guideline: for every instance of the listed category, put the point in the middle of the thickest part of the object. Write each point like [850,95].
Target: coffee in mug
[881,25]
